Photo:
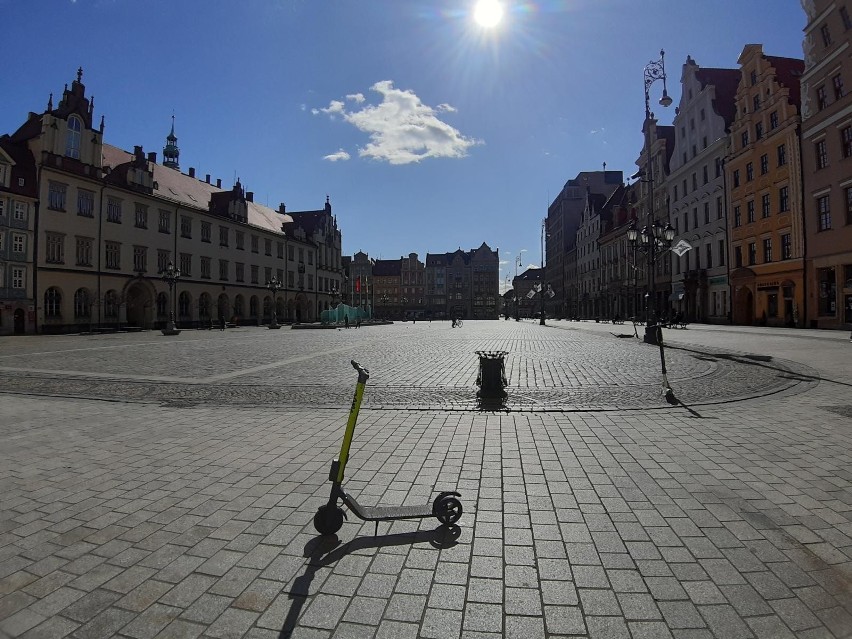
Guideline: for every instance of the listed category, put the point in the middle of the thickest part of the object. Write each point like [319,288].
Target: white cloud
[402,129]
[340,155]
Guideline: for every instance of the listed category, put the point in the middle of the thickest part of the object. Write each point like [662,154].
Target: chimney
[207,178]
[192,171]
[152,157]
[218,183]
[282,209]
[250,196]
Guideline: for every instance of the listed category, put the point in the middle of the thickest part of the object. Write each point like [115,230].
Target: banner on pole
[681,247]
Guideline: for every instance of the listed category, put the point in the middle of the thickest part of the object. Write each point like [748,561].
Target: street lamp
[170,276]
[541,292]
[654,242]
[518,262]
[274,285]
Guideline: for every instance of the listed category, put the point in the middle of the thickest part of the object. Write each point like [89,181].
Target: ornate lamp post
[274,285]
[170,276]
[654,242]
[544,234]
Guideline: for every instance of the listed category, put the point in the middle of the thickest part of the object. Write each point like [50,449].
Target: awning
[676,297]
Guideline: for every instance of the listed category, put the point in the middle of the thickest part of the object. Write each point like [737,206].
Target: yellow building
[764,185]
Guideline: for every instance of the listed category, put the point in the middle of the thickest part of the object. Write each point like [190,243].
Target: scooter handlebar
[363,373]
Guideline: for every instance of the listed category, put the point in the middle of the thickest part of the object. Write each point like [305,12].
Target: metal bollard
[492,375]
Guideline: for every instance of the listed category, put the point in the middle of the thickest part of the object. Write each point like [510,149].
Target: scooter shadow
[324,550]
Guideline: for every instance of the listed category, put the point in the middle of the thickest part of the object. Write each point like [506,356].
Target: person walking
[221,322]
[346,320]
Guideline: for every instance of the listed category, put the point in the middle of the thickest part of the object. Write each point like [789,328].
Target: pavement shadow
[325,550]
[763,361]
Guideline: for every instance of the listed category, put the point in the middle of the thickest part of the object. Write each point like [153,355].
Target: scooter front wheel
[447,509]
[329,519]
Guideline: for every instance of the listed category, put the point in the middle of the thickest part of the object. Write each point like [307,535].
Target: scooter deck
[386,513]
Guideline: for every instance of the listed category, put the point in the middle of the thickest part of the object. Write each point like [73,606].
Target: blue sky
[427,131]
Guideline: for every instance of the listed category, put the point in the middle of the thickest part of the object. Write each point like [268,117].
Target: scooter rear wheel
[329,519]
[447,509]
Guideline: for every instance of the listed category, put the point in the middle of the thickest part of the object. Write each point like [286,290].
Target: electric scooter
[329,517]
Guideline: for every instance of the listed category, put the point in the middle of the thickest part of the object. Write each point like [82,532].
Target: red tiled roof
[726,82]
[24,168]
[387,268]
[789,73]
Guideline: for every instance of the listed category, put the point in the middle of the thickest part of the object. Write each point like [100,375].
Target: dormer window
[72,139]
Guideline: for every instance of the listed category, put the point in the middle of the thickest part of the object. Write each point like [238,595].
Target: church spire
[171,151]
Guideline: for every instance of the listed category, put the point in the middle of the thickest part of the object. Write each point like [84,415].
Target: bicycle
[457,323]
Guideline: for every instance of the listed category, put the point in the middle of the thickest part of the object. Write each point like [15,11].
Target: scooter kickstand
[376,534]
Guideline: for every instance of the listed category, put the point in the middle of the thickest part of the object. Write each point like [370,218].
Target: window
[84,251]
[112,251]
[702,115]
[753,78]
[185,226]
[749,172]
[255,270]
[2,207]
[764,164]
[81,304]
[783,199]
[223,270]
[114,210]
[165,221]
[290,252]
[767,250]
[186,264]
[19,277]
[163,259]
[255,243]
[280,247]
[72,137]
[141,216]
[692,124]
[205,267]
[826,35]
[821,154]
[721,252]
[267,247]
[738,256]
[140,259]
[223,236]
[695,218]
[744,138]
[846,141]
[719,208]
[54,248]
[240,271]
[20,213]
[848,192]
[823,213]
[206,229]
[847,23]
[52,303]
[709,256]
[758,130]
[826,291]
[782,154]
[704,142]
[837,84]
[56,196]
[704,174]
[764,205]
[822,98]
[707,212]
[267,273]
[718,164]
[291,278]
[750,210]
[755,101]
[738,219]
[675,191]
[85,203]
[239,239]
[773,120]
[786,247]
[310,282]
[736,178]
[18,243]
[310,256]
[752,253]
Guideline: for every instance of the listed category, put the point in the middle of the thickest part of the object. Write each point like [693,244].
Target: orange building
[764,185]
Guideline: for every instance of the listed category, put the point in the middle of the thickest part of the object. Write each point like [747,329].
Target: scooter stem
[363,376]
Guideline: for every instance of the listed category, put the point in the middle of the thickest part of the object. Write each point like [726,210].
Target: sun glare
[488,13]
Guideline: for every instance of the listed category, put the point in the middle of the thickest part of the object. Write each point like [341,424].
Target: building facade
[526,289]
[764,178]
[463,284]
[827,163]
[108,222]
[696,192]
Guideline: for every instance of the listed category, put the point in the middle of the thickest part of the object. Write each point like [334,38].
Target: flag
[531,294]
[550,292]
[358,284]
[681,247]
[536,287]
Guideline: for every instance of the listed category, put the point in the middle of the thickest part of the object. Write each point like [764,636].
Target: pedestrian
[346,320]
[358,322]
[221,322]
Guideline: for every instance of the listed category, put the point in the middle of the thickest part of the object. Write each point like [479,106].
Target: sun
[488,13]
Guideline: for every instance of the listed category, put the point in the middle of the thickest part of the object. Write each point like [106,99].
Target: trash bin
[492,375]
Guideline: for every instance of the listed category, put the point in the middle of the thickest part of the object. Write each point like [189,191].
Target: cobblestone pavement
[160,514]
